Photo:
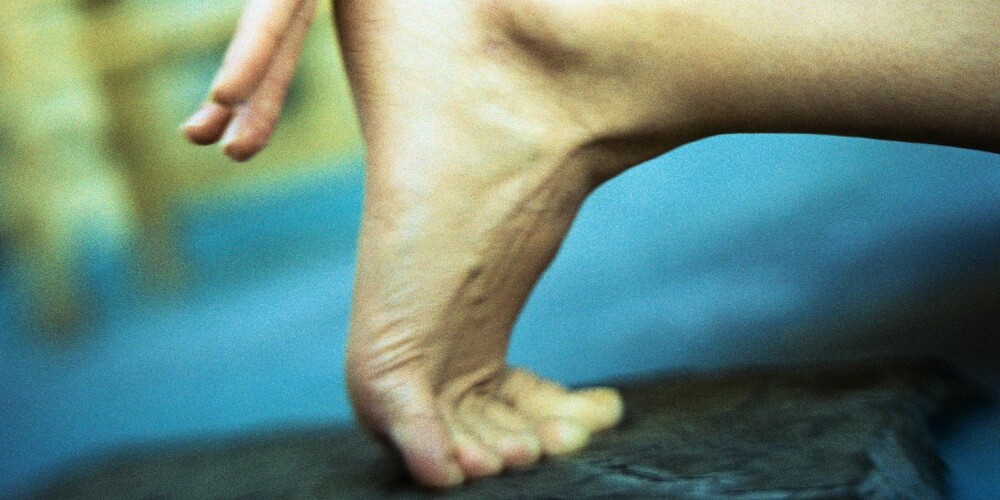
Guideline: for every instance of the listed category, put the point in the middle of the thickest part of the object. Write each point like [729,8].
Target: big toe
[428,451]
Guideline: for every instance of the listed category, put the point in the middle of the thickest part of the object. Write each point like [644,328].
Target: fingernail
[229,136]
[238,154]
[198,118]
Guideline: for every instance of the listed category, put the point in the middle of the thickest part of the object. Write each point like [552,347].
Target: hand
[249,91]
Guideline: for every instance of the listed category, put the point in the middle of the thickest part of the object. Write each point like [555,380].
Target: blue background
[734,250]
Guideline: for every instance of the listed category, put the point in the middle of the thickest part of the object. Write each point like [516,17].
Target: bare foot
[481,133]
[489,121]
[487,124]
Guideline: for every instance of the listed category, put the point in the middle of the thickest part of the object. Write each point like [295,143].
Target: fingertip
[240,152]
[241,144]
[206,125]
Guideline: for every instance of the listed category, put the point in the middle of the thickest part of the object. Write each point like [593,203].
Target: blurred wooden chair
[156,61]
[56,180]
[92,95]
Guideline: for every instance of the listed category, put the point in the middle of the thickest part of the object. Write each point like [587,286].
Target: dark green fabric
[849,432]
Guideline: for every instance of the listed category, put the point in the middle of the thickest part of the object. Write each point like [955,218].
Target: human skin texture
[487,123]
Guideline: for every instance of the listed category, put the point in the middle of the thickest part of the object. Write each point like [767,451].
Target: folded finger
[258,116]
[263,26]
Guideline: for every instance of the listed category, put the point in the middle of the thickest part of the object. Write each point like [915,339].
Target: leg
[904,70]
[472,181]
[488,122]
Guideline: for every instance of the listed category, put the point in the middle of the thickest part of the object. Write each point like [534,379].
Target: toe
[475,457]
[519,450]
[509,434]
[560,436]
[530,393]
[207,124]
[596,408]
[427,449]
[245,136]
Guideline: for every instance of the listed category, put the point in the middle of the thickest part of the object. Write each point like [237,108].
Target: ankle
[633,79]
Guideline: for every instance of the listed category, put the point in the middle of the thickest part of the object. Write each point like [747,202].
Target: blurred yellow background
[91,96]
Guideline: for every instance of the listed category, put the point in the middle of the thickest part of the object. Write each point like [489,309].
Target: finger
[257,118]
[207,124]
[260,32]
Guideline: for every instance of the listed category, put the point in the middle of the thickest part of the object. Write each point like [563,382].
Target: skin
[487,123]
